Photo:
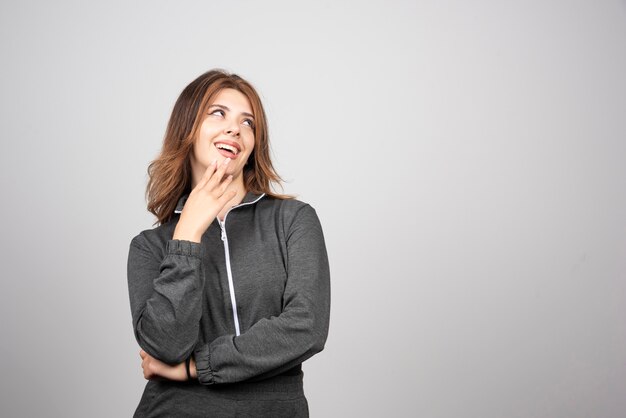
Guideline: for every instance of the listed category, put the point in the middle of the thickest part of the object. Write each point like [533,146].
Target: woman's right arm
[166,297]
[166,294]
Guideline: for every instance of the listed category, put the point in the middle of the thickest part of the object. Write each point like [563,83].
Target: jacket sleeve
[166,297]
[278,343]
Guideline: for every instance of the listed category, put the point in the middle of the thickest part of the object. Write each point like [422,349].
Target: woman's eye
[218,111]
[249,123]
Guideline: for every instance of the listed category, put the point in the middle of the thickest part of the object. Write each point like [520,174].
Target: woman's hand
[205,201]
[153,369]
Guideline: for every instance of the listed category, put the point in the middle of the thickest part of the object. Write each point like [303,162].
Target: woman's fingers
[226,197]
[205,201]
[150,366]
[213,177]
[207,174]
[145,360]
[156,369]
[218,176]
[224,185]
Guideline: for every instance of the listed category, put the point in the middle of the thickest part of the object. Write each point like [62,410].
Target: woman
[230,293]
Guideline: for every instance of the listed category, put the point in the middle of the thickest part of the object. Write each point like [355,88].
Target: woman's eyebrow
[226,108]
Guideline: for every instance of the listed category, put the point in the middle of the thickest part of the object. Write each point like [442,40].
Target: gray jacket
[249,302]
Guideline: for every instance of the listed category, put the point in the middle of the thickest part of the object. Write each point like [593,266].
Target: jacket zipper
[231,286]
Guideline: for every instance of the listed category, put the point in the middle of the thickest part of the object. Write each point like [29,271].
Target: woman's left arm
[300,331]
[154,368]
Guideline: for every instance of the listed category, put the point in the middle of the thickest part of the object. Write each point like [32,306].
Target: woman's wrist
[187,235]
[192,368]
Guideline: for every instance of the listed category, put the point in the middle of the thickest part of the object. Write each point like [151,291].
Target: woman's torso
[253,235]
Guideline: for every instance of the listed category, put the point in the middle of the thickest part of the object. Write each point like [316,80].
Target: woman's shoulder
[289,211]
[287,207]
[154,240]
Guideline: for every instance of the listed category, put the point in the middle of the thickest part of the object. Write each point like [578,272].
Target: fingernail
[226,161]
[214,162]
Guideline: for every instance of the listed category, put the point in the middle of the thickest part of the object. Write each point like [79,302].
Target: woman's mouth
[228,149]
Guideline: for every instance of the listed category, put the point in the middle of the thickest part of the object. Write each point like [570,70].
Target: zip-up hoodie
[249,302]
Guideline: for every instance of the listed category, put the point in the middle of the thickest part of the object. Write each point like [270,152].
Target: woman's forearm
[154,368]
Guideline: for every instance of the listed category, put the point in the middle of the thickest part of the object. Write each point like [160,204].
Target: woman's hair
[170,173]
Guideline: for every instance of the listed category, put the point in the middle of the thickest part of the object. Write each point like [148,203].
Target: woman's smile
[229,149]
[227,131]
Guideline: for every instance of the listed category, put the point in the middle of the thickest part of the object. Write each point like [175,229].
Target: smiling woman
[227,131]
[225,312]
[197,113]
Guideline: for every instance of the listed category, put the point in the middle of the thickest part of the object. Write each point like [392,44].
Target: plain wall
[467,161]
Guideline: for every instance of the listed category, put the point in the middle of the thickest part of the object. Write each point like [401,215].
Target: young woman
[230,293]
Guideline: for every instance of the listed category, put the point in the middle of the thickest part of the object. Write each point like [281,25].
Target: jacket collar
[248,198]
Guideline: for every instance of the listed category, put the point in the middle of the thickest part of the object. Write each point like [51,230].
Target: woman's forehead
[233,100]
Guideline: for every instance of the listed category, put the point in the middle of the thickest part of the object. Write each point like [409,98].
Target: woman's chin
[235,173]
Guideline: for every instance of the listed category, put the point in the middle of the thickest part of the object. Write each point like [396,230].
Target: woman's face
[227,131]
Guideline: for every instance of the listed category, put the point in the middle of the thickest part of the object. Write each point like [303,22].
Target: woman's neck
[239,188]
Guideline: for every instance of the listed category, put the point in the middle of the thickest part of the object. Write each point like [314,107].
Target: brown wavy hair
[170,173]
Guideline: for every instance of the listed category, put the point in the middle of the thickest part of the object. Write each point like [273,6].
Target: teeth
[227,148]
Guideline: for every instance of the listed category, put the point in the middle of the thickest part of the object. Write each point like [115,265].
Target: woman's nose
[232,128]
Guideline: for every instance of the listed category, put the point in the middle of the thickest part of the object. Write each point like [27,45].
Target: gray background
[466,160]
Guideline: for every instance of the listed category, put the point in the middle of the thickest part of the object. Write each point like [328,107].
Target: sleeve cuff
[184,247]
[202,355]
